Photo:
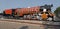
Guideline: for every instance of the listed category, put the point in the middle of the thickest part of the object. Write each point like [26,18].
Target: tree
[57,12]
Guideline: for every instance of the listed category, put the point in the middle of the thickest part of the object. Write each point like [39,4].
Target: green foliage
[57,10]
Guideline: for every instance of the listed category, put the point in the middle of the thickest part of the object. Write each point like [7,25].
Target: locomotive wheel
[39,17]
[26,17]
[50,19]
[19,17]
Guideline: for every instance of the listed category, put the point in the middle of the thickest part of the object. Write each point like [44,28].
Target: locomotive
[34,13]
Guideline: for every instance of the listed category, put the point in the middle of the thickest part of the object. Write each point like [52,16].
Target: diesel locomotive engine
[38,13]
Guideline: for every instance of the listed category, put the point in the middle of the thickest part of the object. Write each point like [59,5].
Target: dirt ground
[24,24]
[16,25]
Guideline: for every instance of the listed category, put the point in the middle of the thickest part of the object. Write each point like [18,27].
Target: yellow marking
[44,16]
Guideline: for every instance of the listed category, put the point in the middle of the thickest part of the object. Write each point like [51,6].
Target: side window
[41,9]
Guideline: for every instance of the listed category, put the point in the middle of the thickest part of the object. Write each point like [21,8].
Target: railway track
[32,22]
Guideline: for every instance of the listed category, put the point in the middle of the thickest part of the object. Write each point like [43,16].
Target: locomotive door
[13,12]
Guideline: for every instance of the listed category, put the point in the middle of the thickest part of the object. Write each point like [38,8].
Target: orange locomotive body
[22,11]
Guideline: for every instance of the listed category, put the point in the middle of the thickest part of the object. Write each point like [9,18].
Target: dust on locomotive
[35,13]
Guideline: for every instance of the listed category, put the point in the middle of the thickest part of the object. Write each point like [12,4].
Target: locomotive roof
[45,7]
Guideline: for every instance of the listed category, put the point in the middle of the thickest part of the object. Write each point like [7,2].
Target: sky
[7,4]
